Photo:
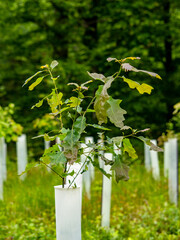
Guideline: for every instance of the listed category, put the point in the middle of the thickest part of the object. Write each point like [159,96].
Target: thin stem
[63,180]
[77,173]
[119,72]
[51,169]
[80,168]
[76,107]
[56,90]
[89,105]
[115,74]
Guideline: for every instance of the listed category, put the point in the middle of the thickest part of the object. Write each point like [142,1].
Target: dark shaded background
[81,35]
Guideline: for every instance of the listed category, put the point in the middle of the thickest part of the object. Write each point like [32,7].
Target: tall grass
[139,208]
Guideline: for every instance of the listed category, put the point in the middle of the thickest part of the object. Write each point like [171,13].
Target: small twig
[51,169]
[80,168]
[77,174]
[63,179]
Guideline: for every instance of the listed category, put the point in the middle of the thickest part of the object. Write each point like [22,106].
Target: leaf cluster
[173,126]
[9,129]
[78,106]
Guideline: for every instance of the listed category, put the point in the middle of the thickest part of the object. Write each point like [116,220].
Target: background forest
[80,35]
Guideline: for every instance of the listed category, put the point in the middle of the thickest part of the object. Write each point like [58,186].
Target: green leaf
[82,85]
[101,105]
[176,108]
[29,166]
[81,95]
[53,155]
[49,138]
[130,58]
[39,136]
[118,140]
[39,104]
[96,164]
[90,110]
[71,153]
[63,133]
[143,130]
[70,142]
[38,81]
[54,79]
[74,102]
[115,112]
[107,85]
[75,84]
[97,76]
[129,148]
[29,79]
[55,101]
[122,60]
[63,109]
[107,161]
[142,88]
[127,67]
[79,109]
[99,127]
[57,157]
[80,124]
[54,64]
[110,59]
[120,168]
[68,174]
[4,124]
[149,143]
[126,128]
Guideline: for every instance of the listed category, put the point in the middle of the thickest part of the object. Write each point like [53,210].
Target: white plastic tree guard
[147,157]
[166,158]
[101,162]
[87,174]
[76,182]
[91,167]
[58,141]
[155,162]
[4,162]
[1,167]
[21,147]
[3,158]
[47,144]
[68,213]
[77,169]
[116,149]
[173,171]
[106,195]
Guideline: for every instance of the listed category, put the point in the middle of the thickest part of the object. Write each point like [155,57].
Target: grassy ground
[139,209]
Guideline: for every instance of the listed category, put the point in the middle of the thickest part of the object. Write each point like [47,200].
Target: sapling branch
[91,102]
[119,72]
[81,167]
[51,168]
[77,173]
[60,118]
[75,115]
